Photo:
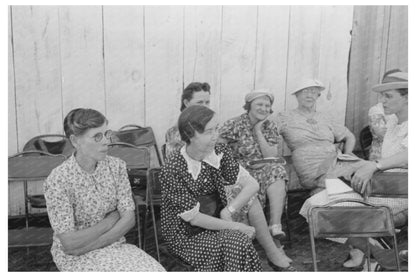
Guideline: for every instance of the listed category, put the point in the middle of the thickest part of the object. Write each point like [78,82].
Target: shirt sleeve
[58,205]
[227,130]
[229,166]
[175,195]
[124,195]
[271,133]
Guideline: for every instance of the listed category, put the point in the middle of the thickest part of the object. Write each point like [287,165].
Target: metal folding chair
[363,220]
[31,166]
[138,159]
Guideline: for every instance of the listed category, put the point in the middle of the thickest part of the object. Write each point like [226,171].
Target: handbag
[210,204]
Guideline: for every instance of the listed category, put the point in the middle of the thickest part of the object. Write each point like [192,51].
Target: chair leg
[368,254]
[144,228]
[155,230]
[287,220]
[396,252]
[138,226]
[315,264]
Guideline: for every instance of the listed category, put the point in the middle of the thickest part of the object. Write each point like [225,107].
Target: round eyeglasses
[99,136]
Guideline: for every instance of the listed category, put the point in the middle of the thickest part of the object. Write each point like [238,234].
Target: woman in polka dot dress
[200,169]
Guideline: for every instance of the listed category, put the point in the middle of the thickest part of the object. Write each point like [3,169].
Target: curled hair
[193,119]
[188,92]
[79,121]
[247,106]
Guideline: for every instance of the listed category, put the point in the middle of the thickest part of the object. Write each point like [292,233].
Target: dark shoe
[278,268]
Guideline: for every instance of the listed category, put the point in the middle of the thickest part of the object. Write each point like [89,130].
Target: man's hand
[363,176]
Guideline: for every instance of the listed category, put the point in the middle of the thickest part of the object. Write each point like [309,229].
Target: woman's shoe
[356,259]
[276,231]
[281,250]
[278,268]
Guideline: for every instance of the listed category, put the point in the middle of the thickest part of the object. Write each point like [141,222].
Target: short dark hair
[193,119]
[78,121]
[402,91]
[188,92]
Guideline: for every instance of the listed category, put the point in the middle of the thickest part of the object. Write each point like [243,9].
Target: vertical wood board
[12,126]
[238,51]
[202,45]
[163,65]
[37,72]
[81,39]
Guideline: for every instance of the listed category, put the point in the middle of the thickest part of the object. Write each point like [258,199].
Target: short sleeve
[124,195]
[174,192]
[58,205]
[173,141]
[339,130]
[229,166]
[271,133]
[228,130]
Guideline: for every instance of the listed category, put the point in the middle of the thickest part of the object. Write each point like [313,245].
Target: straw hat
[259,93]
[307,83]
[394,80]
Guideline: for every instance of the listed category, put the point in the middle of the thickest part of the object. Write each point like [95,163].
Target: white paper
[336,186]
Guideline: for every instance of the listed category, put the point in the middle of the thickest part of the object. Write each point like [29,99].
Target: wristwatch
[231,209]
[378,165]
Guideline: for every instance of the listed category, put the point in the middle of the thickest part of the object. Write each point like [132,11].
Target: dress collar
[194,167]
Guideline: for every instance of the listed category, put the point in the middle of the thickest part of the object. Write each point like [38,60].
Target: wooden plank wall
[132,63]
[379,43]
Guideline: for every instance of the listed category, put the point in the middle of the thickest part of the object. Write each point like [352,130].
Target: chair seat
[33,236]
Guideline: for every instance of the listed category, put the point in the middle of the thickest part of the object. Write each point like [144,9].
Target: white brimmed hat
[307,83]
[259,93]
[394,80]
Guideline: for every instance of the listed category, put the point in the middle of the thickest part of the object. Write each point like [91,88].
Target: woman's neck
[252,119]
[306,110]
[402,116]
[194,153]
[85,163]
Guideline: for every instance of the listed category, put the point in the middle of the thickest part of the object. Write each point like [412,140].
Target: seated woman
[311,136]
[194,94]
[252,136]
[194,179]
[394,157]
[89,203]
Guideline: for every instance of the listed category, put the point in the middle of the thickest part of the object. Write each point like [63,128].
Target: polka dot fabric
[223,250]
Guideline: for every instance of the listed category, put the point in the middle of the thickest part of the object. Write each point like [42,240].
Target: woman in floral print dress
[90,205]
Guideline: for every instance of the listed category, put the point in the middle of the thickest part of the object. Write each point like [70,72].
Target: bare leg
[277,195]
[258,221]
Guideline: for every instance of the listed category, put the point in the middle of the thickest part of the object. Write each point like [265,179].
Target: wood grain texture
[368,52]
[238,54]
[12,126]
[37,71]
[397,48]
[304,47]
[335,41]
[81,40]
[124,65]
[202,49]
[164,66]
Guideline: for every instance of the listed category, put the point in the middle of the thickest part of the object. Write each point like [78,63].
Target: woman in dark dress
[200,170]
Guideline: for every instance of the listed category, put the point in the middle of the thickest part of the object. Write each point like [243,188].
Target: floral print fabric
[239,134]
[77,200]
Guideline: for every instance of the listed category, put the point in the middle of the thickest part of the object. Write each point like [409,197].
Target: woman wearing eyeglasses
[311,136]
[89,203]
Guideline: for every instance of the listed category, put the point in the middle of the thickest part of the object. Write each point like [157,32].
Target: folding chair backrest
[37,164]
[52,143]
[137,136]
[352,222]
[135,157]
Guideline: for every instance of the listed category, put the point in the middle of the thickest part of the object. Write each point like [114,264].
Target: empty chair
[363,220]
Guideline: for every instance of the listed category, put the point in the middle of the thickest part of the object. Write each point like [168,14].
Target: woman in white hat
[311,136]
[253,137]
